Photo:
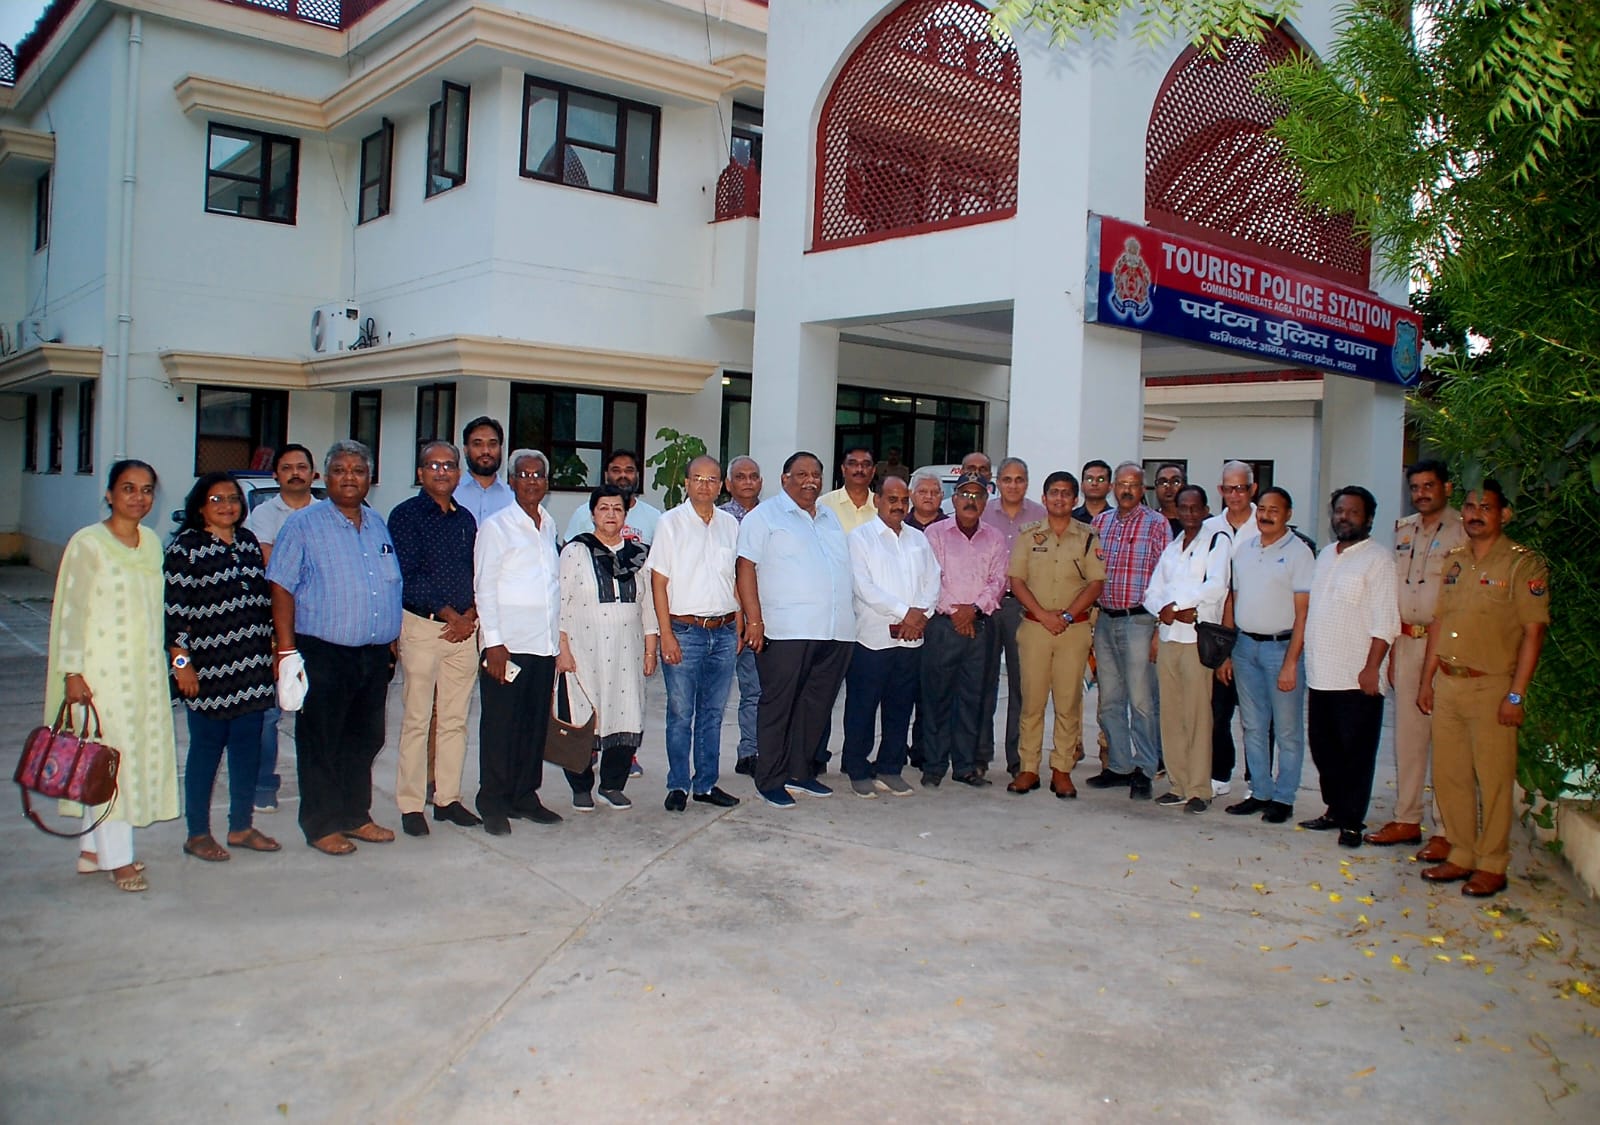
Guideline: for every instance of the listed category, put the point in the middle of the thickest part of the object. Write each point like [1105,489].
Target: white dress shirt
[1353,601]
[802,571]
[1219,522]
[696,558]
[517,582]
[891,574]
[1193,577]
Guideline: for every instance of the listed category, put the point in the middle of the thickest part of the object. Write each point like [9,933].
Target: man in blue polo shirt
[336,600]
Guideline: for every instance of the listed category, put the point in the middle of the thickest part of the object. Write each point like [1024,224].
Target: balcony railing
[738,192]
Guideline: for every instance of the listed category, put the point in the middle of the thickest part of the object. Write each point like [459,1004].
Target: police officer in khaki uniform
[1421,542]
[1056,573]
[1483,644]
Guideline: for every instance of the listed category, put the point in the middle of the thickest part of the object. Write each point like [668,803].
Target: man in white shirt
[481,490]
[516,582]
[622,469]
[1352,620]
[1238,521]
[1189,585]
[691,578]
[896,585]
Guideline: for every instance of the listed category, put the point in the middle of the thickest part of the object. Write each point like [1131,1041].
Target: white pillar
[793,392]
[1361,442]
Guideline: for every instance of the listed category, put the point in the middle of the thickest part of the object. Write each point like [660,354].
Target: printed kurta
[607,642]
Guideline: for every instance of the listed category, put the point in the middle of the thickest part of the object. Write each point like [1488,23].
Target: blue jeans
[267,779]
[1128,692]
[1262,707]
[749,701]
[697,692]
[208,737]
[889,679]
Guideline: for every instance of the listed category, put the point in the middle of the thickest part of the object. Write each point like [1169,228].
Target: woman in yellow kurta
[106,644]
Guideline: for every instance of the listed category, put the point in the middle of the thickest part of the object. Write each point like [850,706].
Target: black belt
[1131,611]
[1267,638]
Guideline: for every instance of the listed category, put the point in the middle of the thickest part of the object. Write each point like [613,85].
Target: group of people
[909,601]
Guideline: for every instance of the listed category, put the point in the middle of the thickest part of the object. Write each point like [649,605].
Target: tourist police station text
[1224,277]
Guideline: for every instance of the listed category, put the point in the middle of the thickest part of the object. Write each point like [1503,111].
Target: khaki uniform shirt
[1056,568]
[1484,604]
[1419,563]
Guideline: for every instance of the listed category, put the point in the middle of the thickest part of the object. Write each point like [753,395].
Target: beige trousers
[1474,768]
[430,662]
[1413,731]
[1051,667]
[1185,718]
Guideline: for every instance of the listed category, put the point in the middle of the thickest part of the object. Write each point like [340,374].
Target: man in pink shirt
[972,561]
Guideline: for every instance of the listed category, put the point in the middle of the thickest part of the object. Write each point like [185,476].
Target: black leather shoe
[1277,812]
[1109,779]
[537,813]
[974,779]
[496,825]
[677,800]
[413,824]
[1247,807]
[1349,837]
[456,813]
[931,780]
[717,797]
[1139,786]
[746,766]
[1323,823]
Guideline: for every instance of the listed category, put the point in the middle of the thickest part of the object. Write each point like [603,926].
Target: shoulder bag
[58,762]
[567,744]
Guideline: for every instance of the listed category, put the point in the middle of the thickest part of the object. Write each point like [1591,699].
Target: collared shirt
[1081,513]
[913,522]
[1192,576]
[345,579]
[1238,535]
[995,516]
[735,509]
[696,558]
[802,571]
[268,518]
[850,516]
[435,548]
[1055,567]
[483,502]
[1352,603]
[892,575]
[1266,577]
[1132,546]
[1419,562]
[1484,605]
[517,582]
[971,571]
[640,525]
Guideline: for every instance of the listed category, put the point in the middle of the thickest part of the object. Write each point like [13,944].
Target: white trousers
[112,842]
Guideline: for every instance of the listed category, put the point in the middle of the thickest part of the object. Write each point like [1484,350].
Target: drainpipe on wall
[130,135]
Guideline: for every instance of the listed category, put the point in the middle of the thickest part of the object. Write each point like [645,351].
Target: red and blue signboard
[1148,280]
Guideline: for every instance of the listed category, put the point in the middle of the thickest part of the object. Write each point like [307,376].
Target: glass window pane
[455,133]
[280,190]
[232,152]
[224,413]
[369,202]
[528,421]
[575,468]
[591,119]
[641,141]
[233,197]
[967,411]
[591,418]
[563,426]
[624,424]
[737,427]
[372,158]
[593,169]
[540,126]
[847,418]
[923,445]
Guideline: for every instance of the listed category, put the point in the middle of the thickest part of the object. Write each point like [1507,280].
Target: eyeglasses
[225,498]
[1061,494]
[529,474]
[1169,482]
[1234,488]
[970,497]
[441,466]
[705,480]
[1097,480]
[859,464]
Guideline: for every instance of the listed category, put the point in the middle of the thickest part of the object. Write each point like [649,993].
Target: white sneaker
[1221,788]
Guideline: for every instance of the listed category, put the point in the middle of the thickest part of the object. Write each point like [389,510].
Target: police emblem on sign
[1407,355]
[1131,283]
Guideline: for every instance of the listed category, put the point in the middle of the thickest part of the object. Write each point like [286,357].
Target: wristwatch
[1066,615]
[180,662]
[1514,698]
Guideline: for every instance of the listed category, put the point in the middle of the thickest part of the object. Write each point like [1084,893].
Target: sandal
[89,864]
[135,881]
[333,844]
[254,840]
[371,833]
[206,848]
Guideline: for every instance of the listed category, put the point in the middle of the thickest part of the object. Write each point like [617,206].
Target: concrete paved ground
[961,955]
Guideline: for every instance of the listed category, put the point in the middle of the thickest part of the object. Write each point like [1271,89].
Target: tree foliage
[1204,23]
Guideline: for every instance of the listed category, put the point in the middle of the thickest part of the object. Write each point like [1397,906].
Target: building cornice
[47,364]
[217,98]
[217,369]
[749,71]
[25,152]
[1242,389]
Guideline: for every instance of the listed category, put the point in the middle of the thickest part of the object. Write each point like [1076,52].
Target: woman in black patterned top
[219,633]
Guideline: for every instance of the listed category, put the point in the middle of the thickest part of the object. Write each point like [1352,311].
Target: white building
[545,211]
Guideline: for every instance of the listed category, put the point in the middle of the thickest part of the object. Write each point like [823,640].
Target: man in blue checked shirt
[336,600]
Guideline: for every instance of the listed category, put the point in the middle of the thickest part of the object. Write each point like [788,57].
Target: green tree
[672,462]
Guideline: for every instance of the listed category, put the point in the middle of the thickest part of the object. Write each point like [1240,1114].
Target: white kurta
[607,642]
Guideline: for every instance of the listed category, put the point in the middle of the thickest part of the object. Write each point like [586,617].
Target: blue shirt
[802,571]
[483,502]
[435,549]
[345,580]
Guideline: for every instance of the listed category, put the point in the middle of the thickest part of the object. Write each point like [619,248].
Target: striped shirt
[219,610]
[345,580]
[1131,547]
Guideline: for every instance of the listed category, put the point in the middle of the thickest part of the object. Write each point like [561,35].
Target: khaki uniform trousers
[1052,667]
[1474,767]
[1413,731]
[1185,718]
[439,675]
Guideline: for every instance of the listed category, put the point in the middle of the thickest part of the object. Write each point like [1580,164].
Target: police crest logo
[1131,283]
[1455,572]
[1407,355]
[1537,588]
[1038,537]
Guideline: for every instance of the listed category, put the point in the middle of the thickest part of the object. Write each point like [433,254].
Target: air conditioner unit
[335,328]
[31,332]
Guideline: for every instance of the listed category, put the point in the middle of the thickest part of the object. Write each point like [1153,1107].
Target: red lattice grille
[738,192]
[920,130]
[1213,172]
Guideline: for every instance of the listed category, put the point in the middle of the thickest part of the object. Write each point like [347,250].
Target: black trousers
[512,723]
[614,764]
[1002,641]
[799,684]
[952,697]
[338,732]
[1343,728]
[1224,701]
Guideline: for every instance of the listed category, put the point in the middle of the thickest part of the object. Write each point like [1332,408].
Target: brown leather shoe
[334,844]
[1395,832]
[1061,784]
[1436,850]
[1446,872]
[1025,782]
[370,833]
[1484,884]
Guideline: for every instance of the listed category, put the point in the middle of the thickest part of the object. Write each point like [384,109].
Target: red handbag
[57,762]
